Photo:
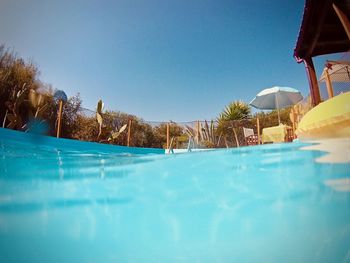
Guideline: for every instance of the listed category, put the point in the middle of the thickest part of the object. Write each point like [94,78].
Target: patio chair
[249,136]
[289,136]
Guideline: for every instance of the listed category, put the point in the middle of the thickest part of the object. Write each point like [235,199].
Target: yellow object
[275,134]
[329,119]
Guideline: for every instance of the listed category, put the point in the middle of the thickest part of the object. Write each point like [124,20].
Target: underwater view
[264,203]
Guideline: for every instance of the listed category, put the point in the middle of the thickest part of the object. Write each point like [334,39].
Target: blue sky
[161,60]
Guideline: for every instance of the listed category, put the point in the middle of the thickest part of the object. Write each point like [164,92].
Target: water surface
[271,203]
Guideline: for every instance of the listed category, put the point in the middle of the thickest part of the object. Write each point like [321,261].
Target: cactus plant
[99,118]
[207,134]
[37,100]
[115,135]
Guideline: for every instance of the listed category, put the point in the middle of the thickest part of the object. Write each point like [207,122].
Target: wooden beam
[293,119]
[129,133]
[197,132]
[313,84]
[59,123]
[328,83]
[329,47]
[343,19]
[258,129]
[167,135]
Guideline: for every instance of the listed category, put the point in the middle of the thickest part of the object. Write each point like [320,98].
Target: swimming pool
[78,202]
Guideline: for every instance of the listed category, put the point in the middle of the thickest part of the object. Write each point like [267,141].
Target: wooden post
[59,123]
[258,129]
[293,121]
[197,133]
[129,133]
[328,83]
[167,135]
[311,74]
[343,19]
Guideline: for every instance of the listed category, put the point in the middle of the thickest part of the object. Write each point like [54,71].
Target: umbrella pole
[278,110]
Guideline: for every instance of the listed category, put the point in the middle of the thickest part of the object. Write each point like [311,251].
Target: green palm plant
[236,110]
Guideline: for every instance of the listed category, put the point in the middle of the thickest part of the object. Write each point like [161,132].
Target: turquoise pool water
[63,201]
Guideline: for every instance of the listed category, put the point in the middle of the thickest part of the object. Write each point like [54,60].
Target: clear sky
[161,60]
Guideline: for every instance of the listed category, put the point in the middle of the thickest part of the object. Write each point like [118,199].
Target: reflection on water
[52,164]
[336,150]
[58,204]
[341,184]
[265,203]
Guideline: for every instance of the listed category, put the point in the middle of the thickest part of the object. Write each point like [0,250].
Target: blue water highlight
[69,201]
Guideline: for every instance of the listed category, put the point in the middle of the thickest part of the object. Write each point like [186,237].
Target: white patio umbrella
[276,98]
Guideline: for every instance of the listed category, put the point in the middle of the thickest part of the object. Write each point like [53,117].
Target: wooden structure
[325,29]
[335,71]
[61,98]
[258,130]
[328,84]
[59,119]
[129,133]
[167,135]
